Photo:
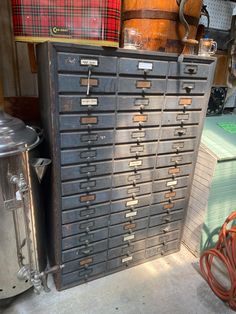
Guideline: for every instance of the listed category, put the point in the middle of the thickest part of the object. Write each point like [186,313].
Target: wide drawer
[84,263]
[84,251]
[167,207]
[133,150]
[84,155]
[164,185]
[186,87]
[84,238]
[138,119]
[69,122]
[83,213]
[127,238]
[191,70]
[74,62]
[129,216]
[170,172]
[164,249]
[129,103]
[165,196]
[174,159]
[86,171]
[177,118]
[179,132]
[70,83]
[130,203]
[126,249]
[137,136]
[80,276]
[166,218]
[184,103]
[85,226]
[176,146]
[125,260]
[140,163]
[162,239]
[165,228]
[74,103]
[85,139]
[143,67]
[142,86]
[128,227]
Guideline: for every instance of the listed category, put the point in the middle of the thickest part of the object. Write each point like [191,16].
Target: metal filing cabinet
[123,130]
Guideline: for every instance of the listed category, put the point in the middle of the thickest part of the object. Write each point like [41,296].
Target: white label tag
[131,203]
[171,183]
[132,214]
[130,237]
[93,62]
[127,259]
[18,196]
[145,66]
[135,163]
[89,102]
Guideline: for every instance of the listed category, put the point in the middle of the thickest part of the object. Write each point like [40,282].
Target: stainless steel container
[22,246]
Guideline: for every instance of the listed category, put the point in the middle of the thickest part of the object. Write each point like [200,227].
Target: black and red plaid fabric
[82,19]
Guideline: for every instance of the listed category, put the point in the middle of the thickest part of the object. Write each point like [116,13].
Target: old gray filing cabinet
[122,129]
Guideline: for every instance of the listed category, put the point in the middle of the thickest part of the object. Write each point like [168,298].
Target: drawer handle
[191,69]
[87,252]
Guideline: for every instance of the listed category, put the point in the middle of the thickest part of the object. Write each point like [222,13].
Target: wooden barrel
[158,22]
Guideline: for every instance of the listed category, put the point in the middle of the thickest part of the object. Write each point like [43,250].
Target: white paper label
[89,101]
[92,62]
[132,203]
[132,214]
[127,259]
[135,163]
[145,66]
[130,237]
[171,183]
[18,196]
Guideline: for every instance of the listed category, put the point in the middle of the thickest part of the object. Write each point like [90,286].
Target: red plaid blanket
[82,19]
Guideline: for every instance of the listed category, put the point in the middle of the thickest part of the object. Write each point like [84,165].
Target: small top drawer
[182,69]
[74,62]
[143,67]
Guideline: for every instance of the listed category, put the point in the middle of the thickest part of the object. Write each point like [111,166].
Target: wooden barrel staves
[158,22]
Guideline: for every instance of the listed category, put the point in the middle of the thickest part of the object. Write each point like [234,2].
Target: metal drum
[23,258]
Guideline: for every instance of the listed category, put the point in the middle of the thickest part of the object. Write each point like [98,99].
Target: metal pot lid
[15,136]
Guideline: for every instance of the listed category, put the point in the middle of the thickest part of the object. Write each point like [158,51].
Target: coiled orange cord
[225,251]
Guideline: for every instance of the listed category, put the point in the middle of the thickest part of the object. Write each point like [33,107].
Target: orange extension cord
[225,251]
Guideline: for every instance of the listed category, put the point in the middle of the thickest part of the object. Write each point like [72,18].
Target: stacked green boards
[213,193]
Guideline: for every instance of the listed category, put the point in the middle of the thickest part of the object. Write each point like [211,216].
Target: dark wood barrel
[158,22]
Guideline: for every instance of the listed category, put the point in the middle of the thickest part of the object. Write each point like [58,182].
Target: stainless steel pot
[22,244]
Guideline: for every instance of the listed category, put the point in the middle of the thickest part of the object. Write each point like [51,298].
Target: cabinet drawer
[84,263]
[138,119]
[184,103]
[76,103]
[126,249]
[69,83]
[170,184]
[162,250]
[176,146]
[83,155]
[128,227]
[190,70]
[186,87]
[84,171]
[86,122]
[165,196]
[131,191]
[171,172]
[84,238]
[81,276]
[84,226]
[165,228]
[174,159]
[127,238]
[179,132]
[142,86]
[125,260]
[130,203]
[84,251]
[130,178]
[163,239]
[177,118]
[74,62]
[168,207]
[137,136]
[129,103]
[133,150]
[166,218]
[143,67]
[88,212]
[129,216]
[134,164]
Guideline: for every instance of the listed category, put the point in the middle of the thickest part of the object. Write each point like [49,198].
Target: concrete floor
[167,285]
